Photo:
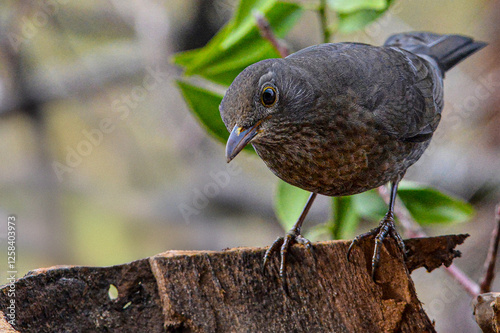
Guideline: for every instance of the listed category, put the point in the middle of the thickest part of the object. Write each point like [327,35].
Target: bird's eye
[268,96]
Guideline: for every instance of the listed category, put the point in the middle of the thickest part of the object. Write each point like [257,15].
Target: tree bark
[228,291]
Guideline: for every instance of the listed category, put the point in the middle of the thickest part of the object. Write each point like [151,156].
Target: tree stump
[228,291]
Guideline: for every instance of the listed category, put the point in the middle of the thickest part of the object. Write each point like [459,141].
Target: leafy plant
[239,44]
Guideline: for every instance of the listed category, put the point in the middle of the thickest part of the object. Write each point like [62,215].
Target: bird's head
[265,96]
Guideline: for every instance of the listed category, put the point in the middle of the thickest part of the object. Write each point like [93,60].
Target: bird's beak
[239,138]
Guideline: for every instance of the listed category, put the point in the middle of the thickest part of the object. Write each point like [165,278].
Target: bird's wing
[412,103]
[404,91]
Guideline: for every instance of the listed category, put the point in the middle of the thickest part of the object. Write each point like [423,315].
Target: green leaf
[245,21]
[289,203]
[425,204]
[204,104]
[345,217]
[357,20]
[429,206]
[183,59]
[369,205]
[239,44]
[349,6]
[246,7]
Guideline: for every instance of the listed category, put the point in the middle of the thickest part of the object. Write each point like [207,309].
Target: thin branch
[322,11]
[463,279]
[491,259]
[413,229]
[267,33]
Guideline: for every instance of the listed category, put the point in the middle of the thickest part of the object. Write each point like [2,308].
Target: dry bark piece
[431,254]
[193,291]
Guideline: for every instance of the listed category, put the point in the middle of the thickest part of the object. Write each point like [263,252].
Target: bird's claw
[283,244]
[385,228]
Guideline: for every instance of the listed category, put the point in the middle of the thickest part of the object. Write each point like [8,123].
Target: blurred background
[102,163]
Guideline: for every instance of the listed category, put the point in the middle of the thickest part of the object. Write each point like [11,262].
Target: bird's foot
[385,228]
[284,244]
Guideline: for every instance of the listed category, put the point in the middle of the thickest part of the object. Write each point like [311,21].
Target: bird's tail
[446,50]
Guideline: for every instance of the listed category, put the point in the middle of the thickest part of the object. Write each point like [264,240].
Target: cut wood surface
[228,291]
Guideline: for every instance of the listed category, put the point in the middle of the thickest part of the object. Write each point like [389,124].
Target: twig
[413,229]
[267,33]
[322,11]
[463,279]
[491,259]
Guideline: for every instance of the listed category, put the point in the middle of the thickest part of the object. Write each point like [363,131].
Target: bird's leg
[291,237]
[386,227]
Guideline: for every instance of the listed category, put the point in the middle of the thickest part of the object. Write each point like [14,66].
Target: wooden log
[228,291]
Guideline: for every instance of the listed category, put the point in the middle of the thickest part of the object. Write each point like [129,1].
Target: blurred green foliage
[289,202]
[357,14]
[429,206]
[239,44]
[202,102]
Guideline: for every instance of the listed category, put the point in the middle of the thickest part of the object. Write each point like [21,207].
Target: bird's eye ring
[268,96]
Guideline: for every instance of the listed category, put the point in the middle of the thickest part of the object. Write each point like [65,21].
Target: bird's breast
[336,155]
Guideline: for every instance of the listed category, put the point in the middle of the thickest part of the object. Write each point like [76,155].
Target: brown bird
[340,119]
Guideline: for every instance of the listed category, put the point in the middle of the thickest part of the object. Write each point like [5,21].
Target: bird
[338,119]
